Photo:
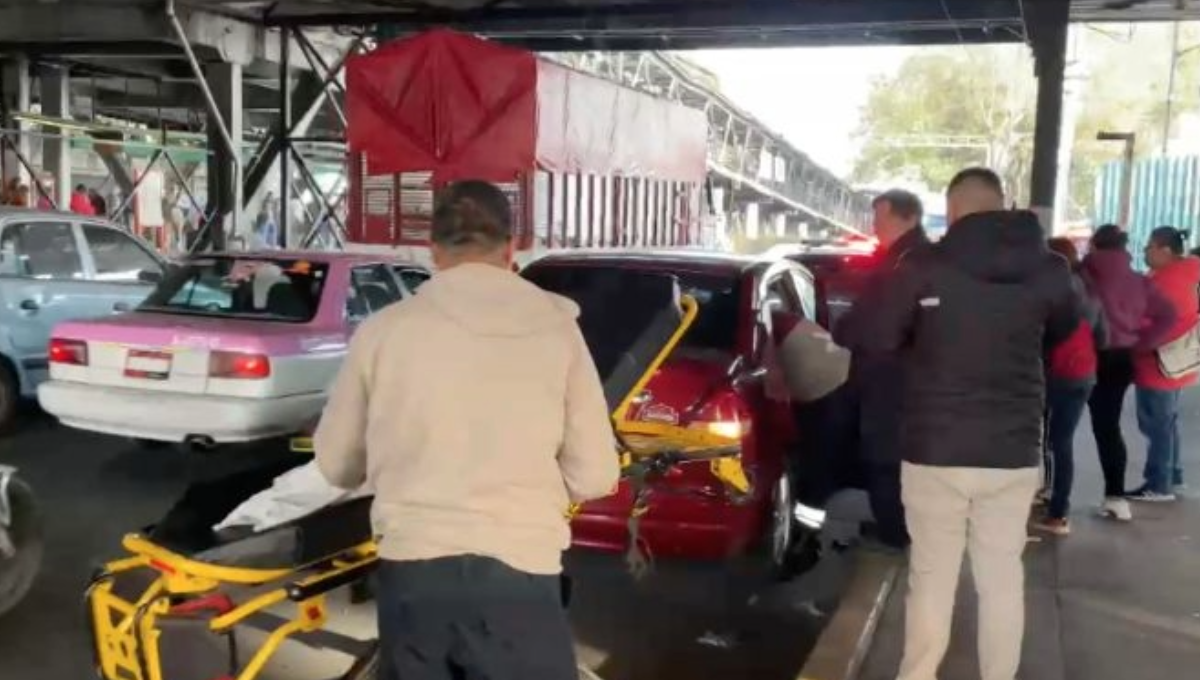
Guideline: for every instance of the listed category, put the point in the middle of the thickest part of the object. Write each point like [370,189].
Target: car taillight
[239,365]
[70,352]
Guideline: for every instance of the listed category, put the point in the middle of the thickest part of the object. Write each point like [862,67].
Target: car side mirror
[150,276]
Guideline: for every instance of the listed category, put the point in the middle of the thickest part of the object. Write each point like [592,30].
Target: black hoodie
[971,318]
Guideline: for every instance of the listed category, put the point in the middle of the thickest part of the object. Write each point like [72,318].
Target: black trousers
[1114,376]
[825,461]
[883,488]
[471,618]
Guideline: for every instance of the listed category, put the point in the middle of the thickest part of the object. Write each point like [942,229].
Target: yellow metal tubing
[157,555]
[691,309]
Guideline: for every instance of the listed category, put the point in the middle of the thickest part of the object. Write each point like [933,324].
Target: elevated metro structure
[260,77]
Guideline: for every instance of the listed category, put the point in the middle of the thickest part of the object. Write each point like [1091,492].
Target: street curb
[846,640]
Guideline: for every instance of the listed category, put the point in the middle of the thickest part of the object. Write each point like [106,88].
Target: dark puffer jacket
[972,318]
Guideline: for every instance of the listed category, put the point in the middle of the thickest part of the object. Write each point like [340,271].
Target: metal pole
[1169,114]
[285,129]
[1127,181]
[213,109]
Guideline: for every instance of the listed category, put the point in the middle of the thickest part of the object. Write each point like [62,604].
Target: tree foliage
[976,105]
[946,109]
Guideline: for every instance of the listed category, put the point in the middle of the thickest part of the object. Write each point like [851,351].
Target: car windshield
[250,288]
[719,295]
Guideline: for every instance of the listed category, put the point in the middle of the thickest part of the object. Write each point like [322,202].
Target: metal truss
[743,152]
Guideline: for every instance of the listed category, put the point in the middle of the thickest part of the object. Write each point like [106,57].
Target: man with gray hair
[971,319]
[475,414]
[877,379]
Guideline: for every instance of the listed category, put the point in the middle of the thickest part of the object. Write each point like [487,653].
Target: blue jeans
[1158,419]
[1064,406]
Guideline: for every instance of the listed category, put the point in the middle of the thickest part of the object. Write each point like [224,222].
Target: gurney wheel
[24,535]
[366,667]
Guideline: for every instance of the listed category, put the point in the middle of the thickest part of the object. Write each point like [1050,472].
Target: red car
[840,271]
[723,377]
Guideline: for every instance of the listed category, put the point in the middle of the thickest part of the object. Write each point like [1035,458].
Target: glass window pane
[118,256]
[41,250]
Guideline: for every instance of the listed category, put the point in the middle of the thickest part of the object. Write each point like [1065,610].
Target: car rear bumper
[174,417]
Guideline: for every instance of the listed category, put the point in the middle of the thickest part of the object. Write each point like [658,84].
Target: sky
[812,96]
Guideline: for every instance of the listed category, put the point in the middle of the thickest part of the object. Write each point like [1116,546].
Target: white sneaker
[1116,508]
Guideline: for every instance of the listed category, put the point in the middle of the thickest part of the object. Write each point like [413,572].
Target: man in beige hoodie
[475,414]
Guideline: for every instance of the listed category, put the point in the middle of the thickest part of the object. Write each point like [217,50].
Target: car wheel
[151,444]
[10,397]
[18,570]
[782,528]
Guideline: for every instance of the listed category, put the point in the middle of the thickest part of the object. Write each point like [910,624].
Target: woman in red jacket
[1070,377]
[1177,277]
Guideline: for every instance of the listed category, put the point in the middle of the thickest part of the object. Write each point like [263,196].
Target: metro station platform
[1109,602]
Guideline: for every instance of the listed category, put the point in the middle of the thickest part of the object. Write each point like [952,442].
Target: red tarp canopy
[462,107]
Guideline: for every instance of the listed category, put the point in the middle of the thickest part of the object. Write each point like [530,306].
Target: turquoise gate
[1166,191]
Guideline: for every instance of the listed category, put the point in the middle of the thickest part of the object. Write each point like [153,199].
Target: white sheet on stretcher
[294,494]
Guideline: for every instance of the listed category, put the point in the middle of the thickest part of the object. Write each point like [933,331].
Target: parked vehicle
[21,541]
[840,272]
[55,267]
[228,348]
[719,379]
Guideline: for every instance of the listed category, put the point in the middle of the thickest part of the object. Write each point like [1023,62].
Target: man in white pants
[971,318]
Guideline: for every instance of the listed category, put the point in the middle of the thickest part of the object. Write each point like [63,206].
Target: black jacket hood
[1002,247]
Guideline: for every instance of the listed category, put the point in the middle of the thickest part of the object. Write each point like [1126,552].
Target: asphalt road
[684,621]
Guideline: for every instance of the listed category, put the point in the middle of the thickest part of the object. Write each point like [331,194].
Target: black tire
[17,573]
[10,398]
[151,444]
[788,548]
[366,667]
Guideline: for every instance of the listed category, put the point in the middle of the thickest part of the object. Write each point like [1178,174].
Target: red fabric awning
[463,107]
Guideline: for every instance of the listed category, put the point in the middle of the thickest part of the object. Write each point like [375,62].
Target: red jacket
[1178,282]
[81,204]
[1074,359]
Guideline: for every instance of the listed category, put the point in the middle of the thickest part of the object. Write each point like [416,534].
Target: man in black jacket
[877,379]
[971,318]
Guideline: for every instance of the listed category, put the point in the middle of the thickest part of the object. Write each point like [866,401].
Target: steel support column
[1048,22]
[284,217]
[224,189]
[15,95]
[55,84]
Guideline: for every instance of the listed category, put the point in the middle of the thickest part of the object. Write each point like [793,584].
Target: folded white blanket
[296,493]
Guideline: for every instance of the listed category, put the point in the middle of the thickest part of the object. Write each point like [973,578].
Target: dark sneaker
[1145,495]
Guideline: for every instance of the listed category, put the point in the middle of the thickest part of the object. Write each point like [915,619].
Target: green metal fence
[1166,191]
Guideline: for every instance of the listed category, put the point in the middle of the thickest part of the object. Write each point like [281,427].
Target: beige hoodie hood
[490,301]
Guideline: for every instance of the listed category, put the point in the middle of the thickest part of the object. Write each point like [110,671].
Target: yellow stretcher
[139,604]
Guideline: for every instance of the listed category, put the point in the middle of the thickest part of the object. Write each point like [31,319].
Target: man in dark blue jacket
[876,378]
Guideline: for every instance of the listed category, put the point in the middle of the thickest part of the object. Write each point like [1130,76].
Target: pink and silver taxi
[228,348]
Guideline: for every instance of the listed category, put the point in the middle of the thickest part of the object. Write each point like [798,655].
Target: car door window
[117,256]
[371,289]
[40,250]
[412,279]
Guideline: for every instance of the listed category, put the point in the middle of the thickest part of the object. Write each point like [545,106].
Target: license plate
[148,365]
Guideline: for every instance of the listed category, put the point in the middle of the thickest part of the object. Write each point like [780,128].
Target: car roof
[325,256]
[704,260]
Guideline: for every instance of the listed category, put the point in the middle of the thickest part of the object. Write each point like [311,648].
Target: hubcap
[781,520]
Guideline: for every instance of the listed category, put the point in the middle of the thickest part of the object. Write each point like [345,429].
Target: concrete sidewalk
[1109,602]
